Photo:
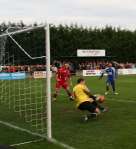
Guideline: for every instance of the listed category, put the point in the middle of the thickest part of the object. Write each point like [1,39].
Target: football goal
[25,99]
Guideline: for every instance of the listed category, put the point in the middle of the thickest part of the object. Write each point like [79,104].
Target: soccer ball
[100,98]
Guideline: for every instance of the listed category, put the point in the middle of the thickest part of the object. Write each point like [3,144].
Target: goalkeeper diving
[86,101]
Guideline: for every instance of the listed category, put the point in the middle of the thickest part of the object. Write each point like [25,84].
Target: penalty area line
[51,140]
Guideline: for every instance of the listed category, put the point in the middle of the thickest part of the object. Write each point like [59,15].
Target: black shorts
[88,106]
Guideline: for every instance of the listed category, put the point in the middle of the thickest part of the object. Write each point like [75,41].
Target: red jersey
[63,74]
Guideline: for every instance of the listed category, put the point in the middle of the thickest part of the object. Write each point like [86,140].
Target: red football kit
[63,75]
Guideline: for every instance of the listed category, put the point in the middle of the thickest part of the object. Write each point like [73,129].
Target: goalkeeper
[85,101]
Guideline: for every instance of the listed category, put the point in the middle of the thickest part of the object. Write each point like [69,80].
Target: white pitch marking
[52,140]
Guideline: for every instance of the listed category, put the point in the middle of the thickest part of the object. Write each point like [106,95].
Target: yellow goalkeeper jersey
[80,95]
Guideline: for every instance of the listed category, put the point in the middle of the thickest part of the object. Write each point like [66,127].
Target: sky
[95,13]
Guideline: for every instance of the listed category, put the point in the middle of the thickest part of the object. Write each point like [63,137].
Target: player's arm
[115,63]
[102,74]
[87,91]
[74,95]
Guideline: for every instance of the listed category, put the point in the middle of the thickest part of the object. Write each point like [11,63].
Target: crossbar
[23,30]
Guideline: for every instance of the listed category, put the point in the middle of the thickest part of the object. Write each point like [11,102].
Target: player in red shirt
[63,80]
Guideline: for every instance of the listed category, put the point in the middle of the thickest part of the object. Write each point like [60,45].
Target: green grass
[114,129]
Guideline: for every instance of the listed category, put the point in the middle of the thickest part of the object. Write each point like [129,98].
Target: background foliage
[65,40]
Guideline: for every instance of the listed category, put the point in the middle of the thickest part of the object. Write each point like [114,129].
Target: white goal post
[48,87]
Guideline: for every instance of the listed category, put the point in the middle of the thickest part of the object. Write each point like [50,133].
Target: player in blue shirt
[111,77]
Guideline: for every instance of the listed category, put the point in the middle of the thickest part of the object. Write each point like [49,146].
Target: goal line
[52,140]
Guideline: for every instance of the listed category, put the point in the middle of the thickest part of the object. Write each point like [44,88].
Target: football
[100,98]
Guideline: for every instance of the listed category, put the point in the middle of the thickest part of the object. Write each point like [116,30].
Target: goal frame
[46,27]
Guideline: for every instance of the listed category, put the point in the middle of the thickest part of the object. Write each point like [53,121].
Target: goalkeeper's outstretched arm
[87,91]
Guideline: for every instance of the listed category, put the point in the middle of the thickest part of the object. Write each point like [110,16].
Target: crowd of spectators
[22,68]
[86,65]
[93,64]
[103,64]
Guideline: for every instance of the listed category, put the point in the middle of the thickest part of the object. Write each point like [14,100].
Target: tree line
[120,44]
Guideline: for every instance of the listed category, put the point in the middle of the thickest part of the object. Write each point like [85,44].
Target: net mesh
[2,50]
[25,96]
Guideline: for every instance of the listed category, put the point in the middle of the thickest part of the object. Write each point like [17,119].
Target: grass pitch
[114,129]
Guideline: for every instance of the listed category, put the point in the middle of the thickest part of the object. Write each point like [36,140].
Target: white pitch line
[22,129]
[52,140]
[27,142]
[61,144]
[121,100]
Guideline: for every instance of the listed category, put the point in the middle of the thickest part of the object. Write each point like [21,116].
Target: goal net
[23,98]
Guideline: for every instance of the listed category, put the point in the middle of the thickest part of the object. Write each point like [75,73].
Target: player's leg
[113,87]
[57,89]
[69,94]
[67,89]
[107,87]
[101,108]
[92,108]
